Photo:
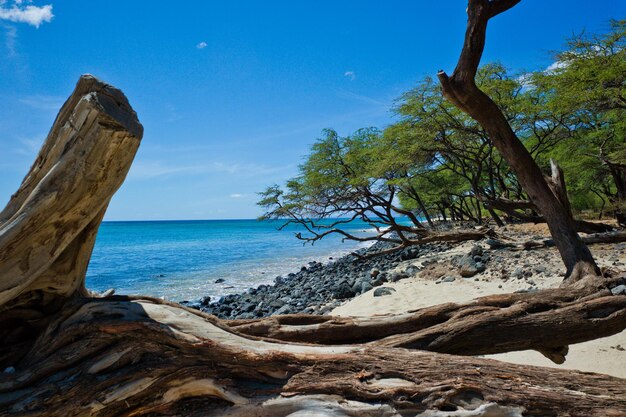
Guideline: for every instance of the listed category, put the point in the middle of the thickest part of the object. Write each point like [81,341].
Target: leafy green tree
[340,182]
[588,84]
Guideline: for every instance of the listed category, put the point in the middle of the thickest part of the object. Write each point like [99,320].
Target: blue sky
[231,94]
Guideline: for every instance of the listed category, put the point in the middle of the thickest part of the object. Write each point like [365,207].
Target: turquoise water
[180,260]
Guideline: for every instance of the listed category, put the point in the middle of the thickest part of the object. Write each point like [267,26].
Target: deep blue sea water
[180,260]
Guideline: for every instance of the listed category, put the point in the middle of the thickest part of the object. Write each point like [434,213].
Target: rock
[480,267]
[204,301]
[448,279]
[540,269]
[365,287]
[248,307]
[397,276]
[374,272]
[219,280]
[518,273]
[380,280]
[412,270]
[467,267]
[620,289]
[286,309]
[477,250]
[409,253]
[9,370]
[379,292]
[497,244]
[278,303]
[343,291]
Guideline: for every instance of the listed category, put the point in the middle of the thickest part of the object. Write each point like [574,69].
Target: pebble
[379,292]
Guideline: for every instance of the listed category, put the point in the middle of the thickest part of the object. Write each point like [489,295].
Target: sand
[606,355]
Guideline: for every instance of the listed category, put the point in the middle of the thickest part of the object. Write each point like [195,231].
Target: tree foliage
[435,162]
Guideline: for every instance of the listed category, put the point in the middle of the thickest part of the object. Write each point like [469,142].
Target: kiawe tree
[588,84]
[352,178]
[551,200]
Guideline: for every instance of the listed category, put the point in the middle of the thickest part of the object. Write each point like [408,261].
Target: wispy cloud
[363,99]
[43,102]
[202,45]
[350,74]
[32,15]
[11,38]
[237,195]
[29,146]
[143,170]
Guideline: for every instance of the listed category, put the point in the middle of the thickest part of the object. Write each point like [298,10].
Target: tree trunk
[462,91]
[618,173]
[80,166]
[545,321]
[121,357]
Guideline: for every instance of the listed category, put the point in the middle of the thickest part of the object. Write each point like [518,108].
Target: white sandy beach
[607,355]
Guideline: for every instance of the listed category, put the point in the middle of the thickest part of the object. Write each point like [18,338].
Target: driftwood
[127,357]
[428,236]
[546,321]
[617,236]
[511,207]
[67,353]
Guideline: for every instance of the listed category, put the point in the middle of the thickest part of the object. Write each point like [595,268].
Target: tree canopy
[436,162]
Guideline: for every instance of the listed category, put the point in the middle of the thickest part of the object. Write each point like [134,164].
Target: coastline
[428,275]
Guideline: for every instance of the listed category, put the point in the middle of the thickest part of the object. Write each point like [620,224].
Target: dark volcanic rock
[379,292]
[467,267]
[318,288]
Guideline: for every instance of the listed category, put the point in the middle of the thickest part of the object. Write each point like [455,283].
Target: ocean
[181,260]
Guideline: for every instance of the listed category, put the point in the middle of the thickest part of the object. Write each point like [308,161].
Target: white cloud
[526,80]
[350,74]
[202,45]
[10,40]
[32,15]
[236,195]
[555,66]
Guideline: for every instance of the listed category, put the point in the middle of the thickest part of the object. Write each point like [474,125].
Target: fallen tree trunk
[592,239]
[428,236]
[510,207]
[121,357]
[545,320]
[66,354]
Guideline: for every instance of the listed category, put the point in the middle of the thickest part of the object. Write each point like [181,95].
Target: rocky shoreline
[318,288]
